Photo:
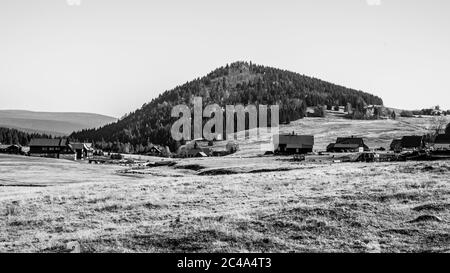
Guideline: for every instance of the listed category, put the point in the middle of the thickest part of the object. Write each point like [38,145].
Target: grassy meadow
[240,203]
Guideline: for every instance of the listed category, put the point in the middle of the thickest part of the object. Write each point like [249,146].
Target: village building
[294,144]
[154,150]
[347,144]
[442,142]
[82,150]
[53,148]
[412,143]
[11,149]
[3,148]
[375,111]
[158,150]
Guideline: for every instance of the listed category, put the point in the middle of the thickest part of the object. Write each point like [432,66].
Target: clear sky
[111,56]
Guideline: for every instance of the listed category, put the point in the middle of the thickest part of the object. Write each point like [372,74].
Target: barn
[347,144]
[294,144]
[412,143]
[82,150]
[154,150]
[54,148]
[11,149]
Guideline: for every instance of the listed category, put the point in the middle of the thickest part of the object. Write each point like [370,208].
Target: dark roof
[442,139]
[350,140]
[412,141]
[77,146]
[296,139]
[43,142]
[346,146]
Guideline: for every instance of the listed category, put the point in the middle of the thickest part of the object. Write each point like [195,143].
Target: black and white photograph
[249,127]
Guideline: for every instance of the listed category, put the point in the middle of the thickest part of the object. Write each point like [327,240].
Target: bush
[406,114]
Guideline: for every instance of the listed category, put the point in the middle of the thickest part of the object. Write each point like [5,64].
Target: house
[412,143]
[316,111]
[154,150]
[11,149]
[158,150]
[442,142]
[374,110]
[396,145]
[82,150]
[294,144]
[3,148]
[54,148]
[347,144]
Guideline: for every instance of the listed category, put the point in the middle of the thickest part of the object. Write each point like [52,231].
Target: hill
[237,83]
[56,124]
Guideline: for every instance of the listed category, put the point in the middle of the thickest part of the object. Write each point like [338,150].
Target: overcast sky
[111,56]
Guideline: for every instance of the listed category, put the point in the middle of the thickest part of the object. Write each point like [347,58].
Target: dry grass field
[241,203]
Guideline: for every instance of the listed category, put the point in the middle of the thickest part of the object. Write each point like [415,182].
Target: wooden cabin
[347,144]
[294,144]
[53,148]
[82,150]
[412,143]
[154,150]
[11,149]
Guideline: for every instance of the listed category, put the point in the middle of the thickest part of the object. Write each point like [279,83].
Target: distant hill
[237,83]
[57,124]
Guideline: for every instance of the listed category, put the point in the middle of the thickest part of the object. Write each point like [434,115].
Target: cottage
[412,143]
[347,144]
[11,149]
[3,148]
[154,150]
[82,150]
[294,144]
[54,148]
[442,142]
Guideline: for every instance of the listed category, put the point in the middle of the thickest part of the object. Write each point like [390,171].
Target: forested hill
[237,83]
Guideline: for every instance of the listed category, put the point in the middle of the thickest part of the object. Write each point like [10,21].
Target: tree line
[13,136]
